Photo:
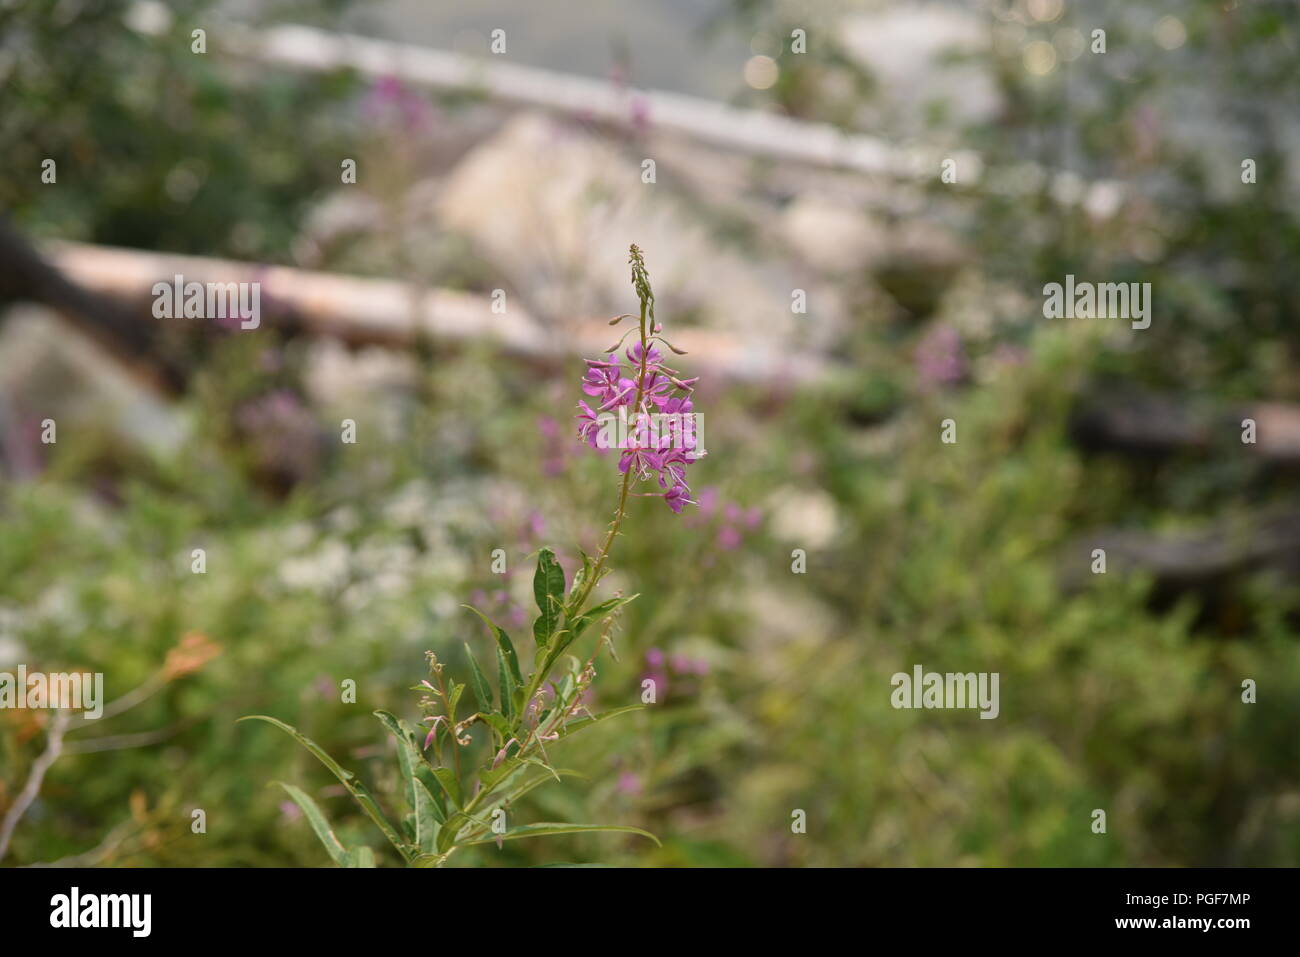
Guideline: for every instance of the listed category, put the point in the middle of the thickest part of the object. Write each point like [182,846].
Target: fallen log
[367,311]
[1208,564]
[27,275]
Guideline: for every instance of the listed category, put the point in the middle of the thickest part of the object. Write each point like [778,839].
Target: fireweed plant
[449,807]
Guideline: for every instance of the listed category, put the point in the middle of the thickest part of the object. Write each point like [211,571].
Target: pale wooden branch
[364,311]
[53,748]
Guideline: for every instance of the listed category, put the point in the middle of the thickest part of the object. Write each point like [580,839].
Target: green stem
[535,682]
[627,481]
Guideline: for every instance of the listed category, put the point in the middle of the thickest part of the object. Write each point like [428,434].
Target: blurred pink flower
[554,448]
[639,114]
[940,358]
[390,101]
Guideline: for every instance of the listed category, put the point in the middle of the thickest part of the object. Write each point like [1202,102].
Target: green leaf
[494,776]
[446,779]
[428,817]
[406,756]
[596,613]
[499,724]
[548,592]
[452,828]
[424,771]
[410,761]
[580,576]
[318,823]
[504,644]
[542,830]
[478,682]
[349,780]
[507,684]
[513,793]
[582,723]
[580,624]
[361,857]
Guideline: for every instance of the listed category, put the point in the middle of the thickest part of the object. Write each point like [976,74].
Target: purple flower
[940,358]
[629,783]
[391,102]
[640,114]
[636,351]
[589,426]
[677,498]
[660,680]
[638,457]
[672,468]
[605,381]
[554,450]
[517,616]
[656,424]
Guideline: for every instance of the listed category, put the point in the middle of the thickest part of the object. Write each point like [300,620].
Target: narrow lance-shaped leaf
[405,763]
[424,771]
[503,643]
[597,612]
[580,576]
[498,724]
[410,762]
[478,682]
[580,624]
[349,780]
[447,837]
[580,724]
[446,779]
[318,823]
[548,592]
[511,792]
[541,830]
[429,838]
[507,684]
[361,857]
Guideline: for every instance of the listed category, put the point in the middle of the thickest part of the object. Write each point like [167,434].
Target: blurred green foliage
[947,556]
[157,146]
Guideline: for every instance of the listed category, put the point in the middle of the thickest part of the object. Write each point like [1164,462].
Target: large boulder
[554,207]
